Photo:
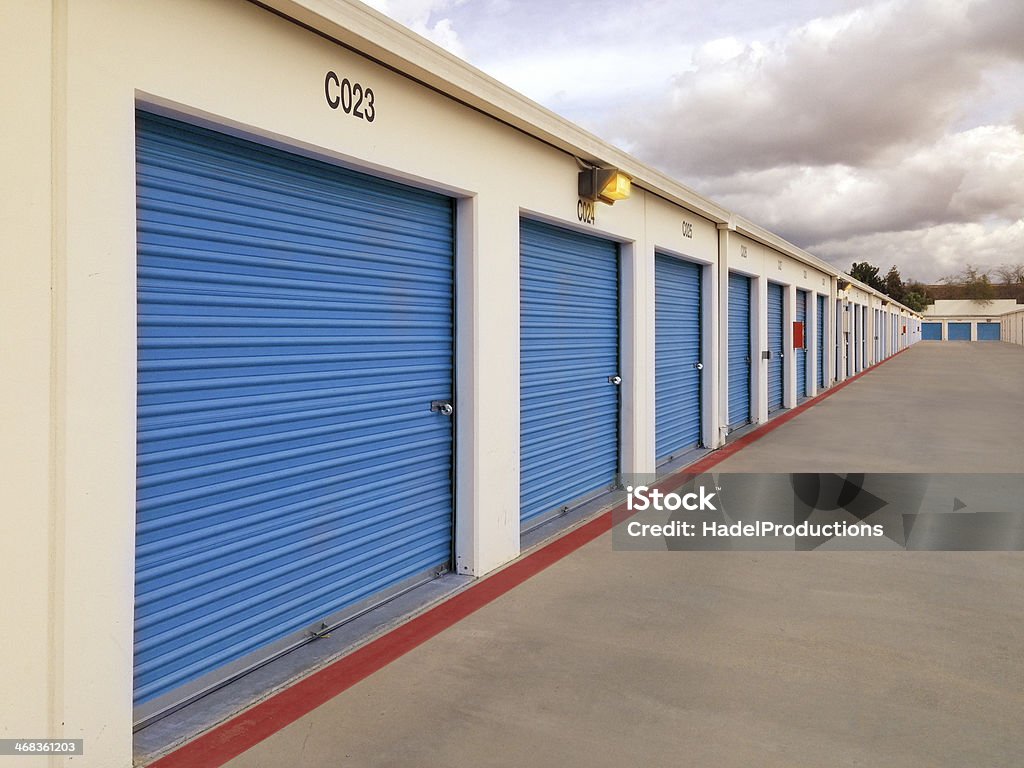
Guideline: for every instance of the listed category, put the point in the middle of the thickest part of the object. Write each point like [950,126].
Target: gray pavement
[938,407]
[736,658]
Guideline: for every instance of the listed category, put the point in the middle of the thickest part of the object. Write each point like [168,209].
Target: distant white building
[966,319]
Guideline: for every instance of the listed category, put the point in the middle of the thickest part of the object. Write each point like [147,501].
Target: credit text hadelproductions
[642,498]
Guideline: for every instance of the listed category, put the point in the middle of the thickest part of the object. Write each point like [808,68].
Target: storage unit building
[325,314]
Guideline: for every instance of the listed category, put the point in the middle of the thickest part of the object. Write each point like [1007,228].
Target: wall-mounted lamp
[604,184]
[842,285]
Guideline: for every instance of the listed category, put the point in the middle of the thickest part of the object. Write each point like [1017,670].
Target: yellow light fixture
[604,184]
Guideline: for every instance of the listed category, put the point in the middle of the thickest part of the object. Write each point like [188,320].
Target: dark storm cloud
[838,90]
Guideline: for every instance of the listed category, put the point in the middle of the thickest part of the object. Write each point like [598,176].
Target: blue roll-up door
[877,337]
[958,331]
[837,337]
[821,342]
[677,335]
[801,353]
[988,331]
[863,338]
[739,350]
[569,347]
[931,331]
[776,347]
[294,326]
[847,334]
[855,337]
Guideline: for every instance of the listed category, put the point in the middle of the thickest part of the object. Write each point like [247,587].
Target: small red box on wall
[798,336]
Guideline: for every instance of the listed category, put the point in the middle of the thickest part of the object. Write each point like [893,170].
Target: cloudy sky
[890,131]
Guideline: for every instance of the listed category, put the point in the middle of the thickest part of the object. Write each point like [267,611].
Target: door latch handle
[444,407]
[616,380]
[699,366]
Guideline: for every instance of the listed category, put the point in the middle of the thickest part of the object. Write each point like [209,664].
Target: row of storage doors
[960,331]
[295,385]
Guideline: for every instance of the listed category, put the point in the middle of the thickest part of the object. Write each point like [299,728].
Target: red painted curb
[224,742]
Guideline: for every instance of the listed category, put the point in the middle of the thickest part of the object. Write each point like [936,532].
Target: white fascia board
[374,35]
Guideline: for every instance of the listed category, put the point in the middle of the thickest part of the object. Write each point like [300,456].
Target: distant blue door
[958,331]
[739,350]
[855,337]
[988,331]
[776,347]
[931,331]
[569,350]
[677,358]
[801,352]
[821,342]
[863,337]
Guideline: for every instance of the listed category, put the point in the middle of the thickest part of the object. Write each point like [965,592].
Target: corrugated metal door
[988,331]
[821,342]
[885,334]
[294,325]
[739,350]
[776,347]
[801,353]
[958,331]
[677,359]
[878,337]
[838,338]
[854,337]
[931,331]
[569,347]
[863,338]
[847,349]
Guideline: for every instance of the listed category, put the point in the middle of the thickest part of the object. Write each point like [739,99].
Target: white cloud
[421,16]
[969,176]
[834,90]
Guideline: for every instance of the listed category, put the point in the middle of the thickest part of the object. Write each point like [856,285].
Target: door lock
[616,380]
[444,407]
[699,366]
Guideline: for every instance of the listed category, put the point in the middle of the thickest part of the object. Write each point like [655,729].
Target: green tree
[892,286]
[867,274]
[916,296]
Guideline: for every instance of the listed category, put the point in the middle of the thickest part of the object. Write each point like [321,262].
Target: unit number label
[585,211]
[688,229]
[351,98]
